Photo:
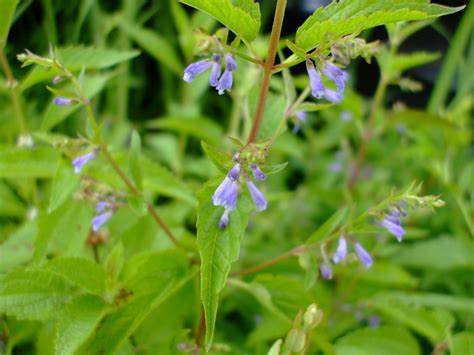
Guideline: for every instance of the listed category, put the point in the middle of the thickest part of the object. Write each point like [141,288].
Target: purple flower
[363,256]
[393,224]
[315,81]
[224,221]
[257,196]
[62,101]
[332,96]
[226,79]
[215,71]
[104,211]
[301,117]
[337,75]
[82,160]
[227,192]
[346,116]
[257,173]
[326,270]
[196,68]
[341,251]
[374,321]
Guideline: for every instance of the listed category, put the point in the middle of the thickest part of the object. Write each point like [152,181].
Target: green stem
[268,68]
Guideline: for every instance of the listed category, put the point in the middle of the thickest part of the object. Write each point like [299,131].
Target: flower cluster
[227,192]
[392,222]
[216,80]
[333,73]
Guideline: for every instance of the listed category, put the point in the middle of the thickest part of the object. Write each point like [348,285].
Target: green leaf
[394,65]
[7,10]
[386,274]
[19,247]
[275,109]
[77,58]
[10,204]
[39,162]
[441,253]
[152,278]
[222,160]
[462,344]
[65,182]
[134,160]
[81,272]
[200,127]
[242,16]
[329,226]
[76,322]
[218,248]
[342,18]
[382,340]
[33,294]
[154,44]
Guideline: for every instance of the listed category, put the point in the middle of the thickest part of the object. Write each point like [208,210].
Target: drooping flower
[82,160]
[104,211]
[224,221]
[257,196]
[393,224]
[326,270]
[62,101]
[257,173]
[215,70]
[337,75]
[227,192]
[195,69]
[341,251]
[301,118]
[363,255]
[315,81]
[226,80]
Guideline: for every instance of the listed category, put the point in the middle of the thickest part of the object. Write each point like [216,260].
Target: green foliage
[346,17]
[242,16]
[7,10]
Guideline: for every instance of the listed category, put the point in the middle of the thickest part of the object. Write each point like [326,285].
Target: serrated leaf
[7,10]
[76,58]
[222,160]
[38,162]
[154,44]
[33,294]
[77,322]
[81,272]
[65,182]
[328,227]
[218,248]
[346,17]
[242,16]
[134,160]
[382,340]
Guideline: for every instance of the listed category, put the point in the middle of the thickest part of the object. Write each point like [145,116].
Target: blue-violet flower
[82,160]
[226,79]
[257,196]
[363,255]
[341,251]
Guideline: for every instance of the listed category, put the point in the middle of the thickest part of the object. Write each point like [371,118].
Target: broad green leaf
[441,253]
[33,294]
[76,322]
[152,279]
[386,274]
[54,114]
[346,17]
[77,58]
[10,204]
[218,248]
[201,127]
[155,44]
[242,16]
[7,10]
[38,162]
[65,182]
[382,340]
[81,272]
[394,65]
[222,160]
[114,262]
[433,324]
[462,344]
[448,302]
[329,226]
[134,160]
[18,248]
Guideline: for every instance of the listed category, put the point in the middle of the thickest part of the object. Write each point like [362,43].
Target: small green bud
[295,340]
[312,317]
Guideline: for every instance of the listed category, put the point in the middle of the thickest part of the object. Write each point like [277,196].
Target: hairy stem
[15,92]
[268,68]
[367,134]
